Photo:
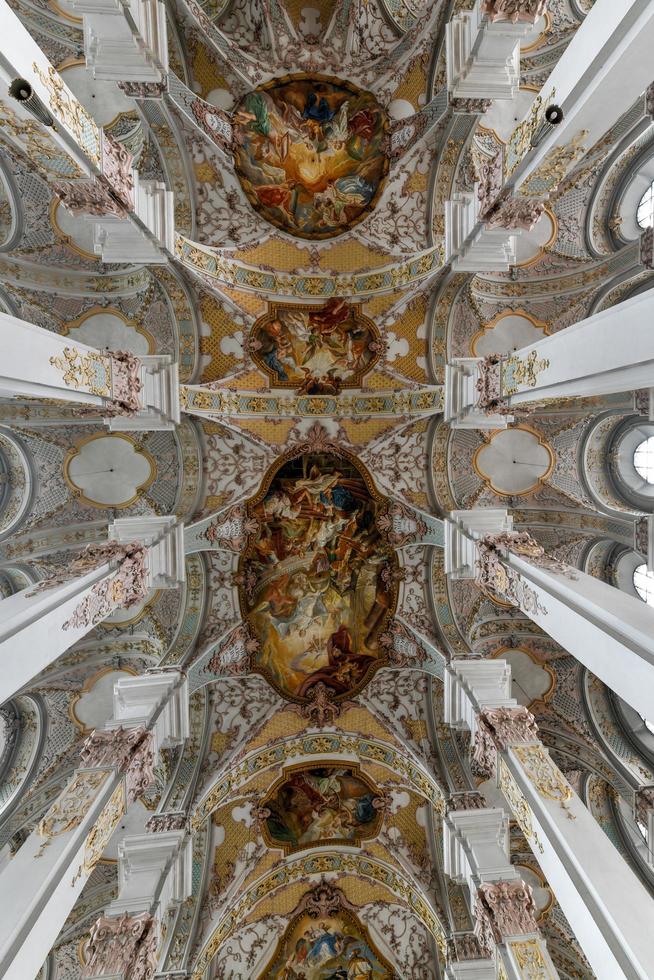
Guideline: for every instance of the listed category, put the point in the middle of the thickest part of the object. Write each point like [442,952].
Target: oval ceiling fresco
[309,153]
[321,804]
[315,349]
[318,581]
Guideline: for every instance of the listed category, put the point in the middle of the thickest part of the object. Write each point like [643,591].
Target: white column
[611,351]
[483,54]
[136,217]
[46,876]
[154,878]
[476,853]
[125,40]
[608,908]
[599,76]
[609,632]
[135,392]
[40,623]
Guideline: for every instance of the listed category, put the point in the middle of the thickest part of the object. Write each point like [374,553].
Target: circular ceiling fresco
[309,153]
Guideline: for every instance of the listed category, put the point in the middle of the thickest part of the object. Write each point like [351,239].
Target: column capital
[489,384]
[162,823]
[514,11]
[466,801]
[130,750]
[497,578]
[513,214]
[497,729]
[467,959]
[126,384]
[111,193]
[505,908]
[122,946]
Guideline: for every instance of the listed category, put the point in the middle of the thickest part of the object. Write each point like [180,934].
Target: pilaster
[604,902]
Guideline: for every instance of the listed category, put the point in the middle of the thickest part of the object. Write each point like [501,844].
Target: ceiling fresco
[312,306]
[309,154]
[327,942]
[315,349]
[315,805]
[318,581]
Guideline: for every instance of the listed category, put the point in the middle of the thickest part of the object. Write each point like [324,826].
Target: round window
[645,212]
[644,459]
[644,584]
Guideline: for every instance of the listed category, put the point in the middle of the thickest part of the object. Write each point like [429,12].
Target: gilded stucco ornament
[101,833]
[546,178]
[70,807]
[545,775]
[520,141]
[518,804]
[85,370]
[522,371]
[71,113]
[114,375]
[529,956]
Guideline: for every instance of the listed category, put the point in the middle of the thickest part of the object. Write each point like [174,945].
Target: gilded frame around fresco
[355,770]
[353,90]
[342,912]
[382,502]
[272,313]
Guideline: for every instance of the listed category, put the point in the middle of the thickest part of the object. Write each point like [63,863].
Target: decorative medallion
[313,805]
[315,349]
[309,153]
[318,582]
[325,939]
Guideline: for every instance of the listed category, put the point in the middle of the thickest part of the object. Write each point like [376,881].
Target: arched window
[644,584]
[644,459]
[645,212]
